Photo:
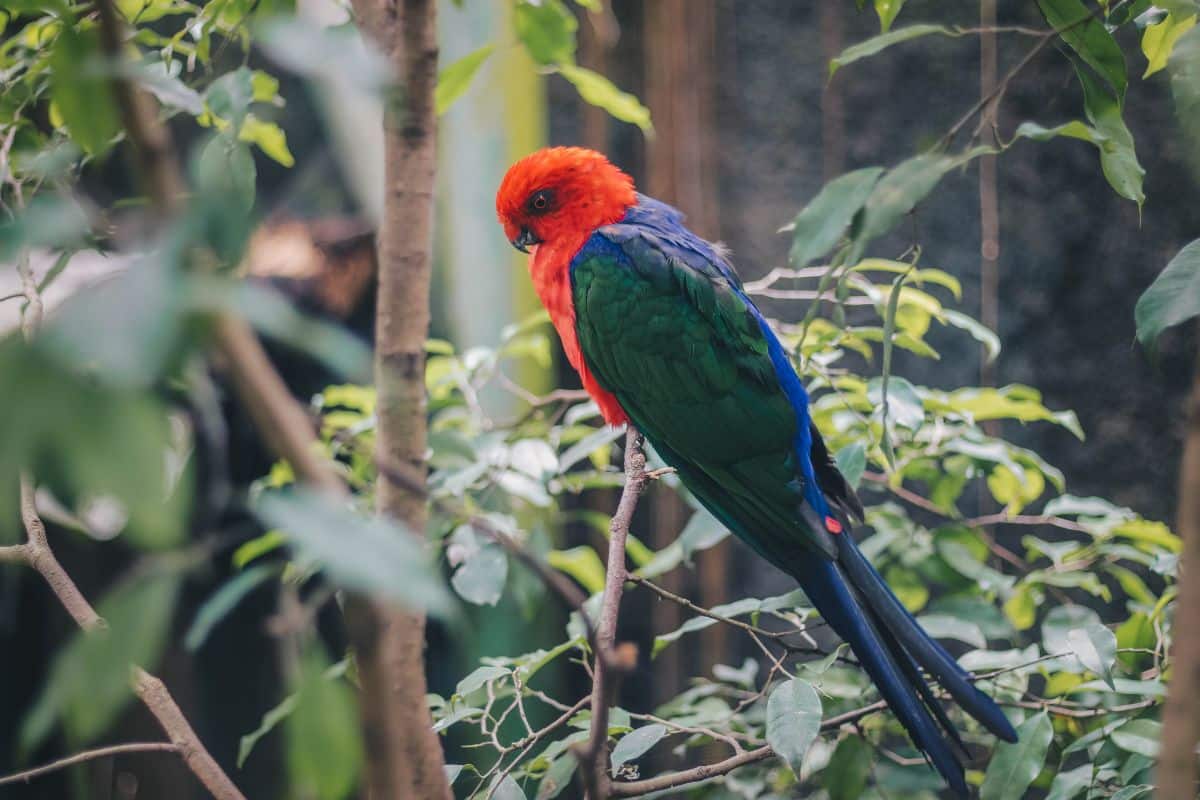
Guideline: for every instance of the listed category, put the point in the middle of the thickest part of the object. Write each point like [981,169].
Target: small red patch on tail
[832,525]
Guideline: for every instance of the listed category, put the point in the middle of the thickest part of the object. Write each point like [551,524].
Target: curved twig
[88,755]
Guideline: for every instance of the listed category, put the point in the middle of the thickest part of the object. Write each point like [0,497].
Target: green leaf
[601,437]
[89,678]
[1174,297]
[160,79]
[1184,66]
[1014,401]
[1015,765]
[1073,130]
[138,312]
[887,11]
[1096,648]
[884,40]
[905,407]
[324,742]
[264,87]
[599,91]
[505,788]
[634,744]
[478,678]
[258,546]
[581,563]
[480,578]
[1149,532]
[370,555]
[1015,490]
[852,462]
[455,79]
[269,722]
[845,777]
[899,191]
[225,169]
[557,777]
[1133,792]
[819,226]
[908,587]
[701,532]
[1085,33]
[269,137]
[80,89]
[1068,785]
[229,97]
[1021,607]
[547,29]
[793,720]
[68,438]
[1056,632]
[981,333]
[1158,41]
[944,626]
[223,601]
[1118,158]
[1140,736]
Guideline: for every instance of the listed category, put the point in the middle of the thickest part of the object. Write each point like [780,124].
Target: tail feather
[896,619]
[913,672]
[827,586]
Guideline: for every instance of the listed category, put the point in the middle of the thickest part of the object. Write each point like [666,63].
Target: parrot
[663,336]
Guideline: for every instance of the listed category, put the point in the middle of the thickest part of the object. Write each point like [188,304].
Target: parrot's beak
[526,239]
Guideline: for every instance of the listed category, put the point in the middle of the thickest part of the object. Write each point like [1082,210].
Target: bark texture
[1176,775]
[404,756]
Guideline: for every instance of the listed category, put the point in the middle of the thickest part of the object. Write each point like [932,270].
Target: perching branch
[593,761]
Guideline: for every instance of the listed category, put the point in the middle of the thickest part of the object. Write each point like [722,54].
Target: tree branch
[88,755]
[1176,773]
[593,761]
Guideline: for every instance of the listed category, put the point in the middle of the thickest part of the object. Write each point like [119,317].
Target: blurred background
[747,128]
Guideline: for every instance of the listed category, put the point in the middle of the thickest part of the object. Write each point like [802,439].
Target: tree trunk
[1176,776]
[681,169]
[404,756]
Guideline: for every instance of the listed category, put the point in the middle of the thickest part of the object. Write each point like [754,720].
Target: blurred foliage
[1070,630]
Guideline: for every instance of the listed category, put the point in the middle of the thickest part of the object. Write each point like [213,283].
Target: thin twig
[992,98]
[1000,518]
[754,631]
[592,757]
[89,755]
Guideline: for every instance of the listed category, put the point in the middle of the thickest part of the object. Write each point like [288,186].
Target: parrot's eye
[540,201]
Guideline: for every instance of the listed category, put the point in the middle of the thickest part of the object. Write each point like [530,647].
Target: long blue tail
[890,644]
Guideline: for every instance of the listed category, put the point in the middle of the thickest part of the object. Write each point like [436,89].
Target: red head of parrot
[549,203]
